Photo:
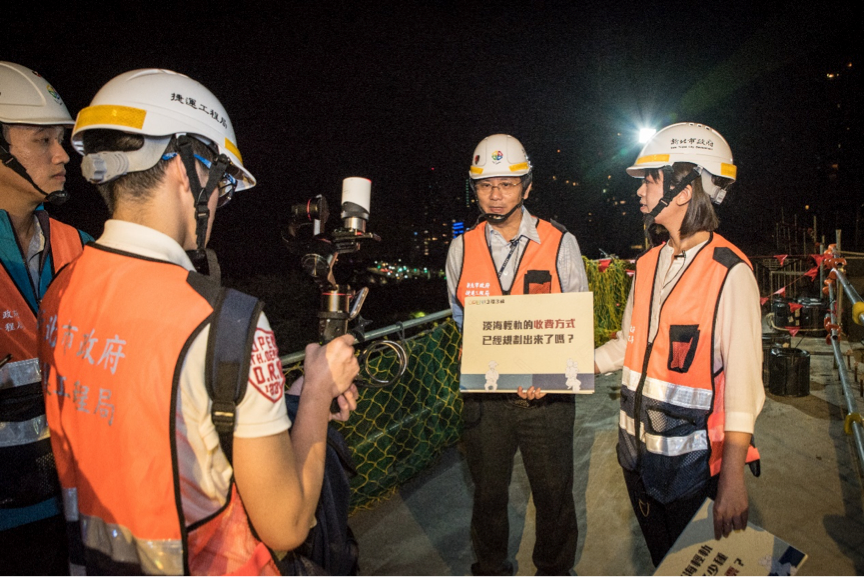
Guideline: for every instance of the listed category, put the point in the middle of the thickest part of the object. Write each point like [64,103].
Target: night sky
[401,93]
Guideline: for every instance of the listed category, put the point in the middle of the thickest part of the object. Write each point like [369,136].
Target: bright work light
[646,134]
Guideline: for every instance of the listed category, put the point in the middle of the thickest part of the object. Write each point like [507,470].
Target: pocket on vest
[683,347]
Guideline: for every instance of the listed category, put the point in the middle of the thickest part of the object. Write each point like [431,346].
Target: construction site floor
[810,493]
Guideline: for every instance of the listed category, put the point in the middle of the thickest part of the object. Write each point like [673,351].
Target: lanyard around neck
[514,244]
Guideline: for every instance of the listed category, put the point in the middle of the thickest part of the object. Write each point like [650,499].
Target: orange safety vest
[671,423]
[537,271]
[20,299]
[28,483]
[111,371]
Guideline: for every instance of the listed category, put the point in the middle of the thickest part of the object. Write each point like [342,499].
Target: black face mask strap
[56,198]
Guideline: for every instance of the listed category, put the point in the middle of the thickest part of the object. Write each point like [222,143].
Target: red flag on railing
[812,274]
[763,300]
[781,258]
[780,291]
[792,331]
[794,307]
[603,263]
[818,258]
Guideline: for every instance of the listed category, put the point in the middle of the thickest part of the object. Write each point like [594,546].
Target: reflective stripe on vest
[479,277]
[155,557]
[19,374]
[14,433]
[665,392]
[678,401]
[112,409]
[28,481]
[661,445]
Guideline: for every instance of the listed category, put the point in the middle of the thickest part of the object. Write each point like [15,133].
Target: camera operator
[125,366]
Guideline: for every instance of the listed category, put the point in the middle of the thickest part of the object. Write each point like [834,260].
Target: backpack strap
[232,328]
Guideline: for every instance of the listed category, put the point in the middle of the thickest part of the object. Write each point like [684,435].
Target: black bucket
[771,340]
[784,317]
[811,314]
[789,372]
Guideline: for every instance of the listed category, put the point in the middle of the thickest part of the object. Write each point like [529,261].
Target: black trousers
[495,427]
[663,523]
[38,548]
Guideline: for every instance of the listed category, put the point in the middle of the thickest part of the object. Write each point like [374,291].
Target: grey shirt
[33,255]
[572,272]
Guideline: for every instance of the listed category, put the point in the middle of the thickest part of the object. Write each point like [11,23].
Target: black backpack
[330,548]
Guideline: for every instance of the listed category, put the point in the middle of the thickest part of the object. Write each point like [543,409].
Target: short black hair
[134,186]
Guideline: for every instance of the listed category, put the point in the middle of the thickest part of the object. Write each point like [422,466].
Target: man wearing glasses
[512,252]
[156,476]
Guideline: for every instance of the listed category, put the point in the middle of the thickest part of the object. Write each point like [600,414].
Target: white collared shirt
[205,475]
[738,344]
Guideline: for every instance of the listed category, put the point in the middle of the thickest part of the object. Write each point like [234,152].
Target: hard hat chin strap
[201,195]
[672,190]
[56,198]
[525,182]
[499,218]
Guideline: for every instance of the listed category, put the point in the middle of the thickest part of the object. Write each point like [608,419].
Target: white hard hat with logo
[499,155]
[160,104]
[27,98]
[689,142]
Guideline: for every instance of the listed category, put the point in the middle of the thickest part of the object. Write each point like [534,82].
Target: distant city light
[646,134]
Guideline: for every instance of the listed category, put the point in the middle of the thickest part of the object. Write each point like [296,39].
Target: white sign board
[753,551]
[544,340]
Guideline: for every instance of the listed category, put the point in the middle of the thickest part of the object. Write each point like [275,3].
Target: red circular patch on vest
[265,370]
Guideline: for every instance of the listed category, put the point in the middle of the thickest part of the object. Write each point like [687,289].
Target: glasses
[227,183]
[504,187]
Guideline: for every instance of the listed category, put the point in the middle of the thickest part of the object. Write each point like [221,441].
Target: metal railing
[835,264]
[399,327]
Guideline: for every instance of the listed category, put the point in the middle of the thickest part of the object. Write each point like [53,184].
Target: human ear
[684,197]
[177,172]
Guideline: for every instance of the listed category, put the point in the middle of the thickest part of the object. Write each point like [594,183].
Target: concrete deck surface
[810,493]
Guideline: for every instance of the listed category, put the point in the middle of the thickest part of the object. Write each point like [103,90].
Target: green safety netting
[398,431]
[610,289]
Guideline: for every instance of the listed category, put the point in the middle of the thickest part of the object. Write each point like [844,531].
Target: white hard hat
[499,155]
[27,98]
[689,142]
[161,103]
